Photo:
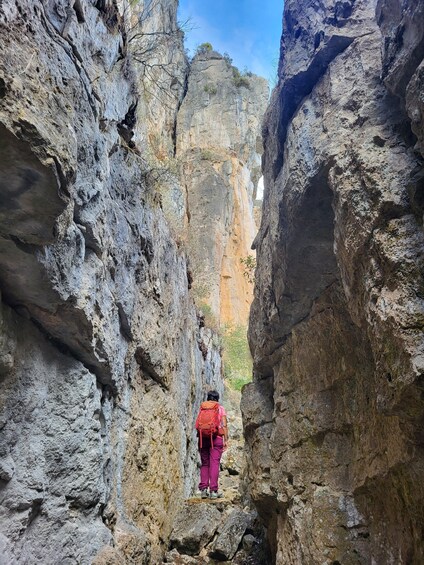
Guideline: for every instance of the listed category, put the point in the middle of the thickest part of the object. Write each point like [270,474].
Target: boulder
[230,534]
[194,527]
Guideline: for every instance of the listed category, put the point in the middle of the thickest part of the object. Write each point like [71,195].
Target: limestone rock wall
[333,419]
[103,362]
[161,69]
[219,150]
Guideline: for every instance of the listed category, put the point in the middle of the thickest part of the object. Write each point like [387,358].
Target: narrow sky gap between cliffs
[247,30]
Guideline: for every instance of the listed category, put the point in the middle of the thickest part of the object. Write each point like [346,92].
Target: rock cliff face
[219,149]
[103,362]
[333,419]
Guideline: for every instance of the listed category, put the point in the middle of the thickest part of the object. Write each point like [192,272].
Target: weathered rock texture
[215,531]
[333,419]
[233,462]
[102,360]
[219,149]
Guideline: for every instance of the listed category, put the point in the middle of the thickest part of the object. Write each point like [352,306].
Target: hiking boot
[215,494]
[204,493]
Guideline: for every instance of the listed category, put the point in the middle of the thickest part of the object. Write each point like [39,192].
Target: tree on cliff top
[155,48]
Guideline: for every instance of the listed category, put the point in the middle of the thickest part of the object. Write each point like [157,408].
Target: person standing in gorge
[212,431]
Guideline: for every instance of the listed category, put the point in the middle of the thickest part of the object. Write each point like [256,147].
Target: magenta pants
[210,457]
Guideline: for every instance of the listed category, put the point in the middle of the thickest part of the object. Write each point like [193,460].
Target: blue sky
[248,30]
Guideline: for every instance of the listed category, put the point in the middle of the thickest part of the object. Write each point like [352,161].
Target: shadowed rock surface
[333,419]
[230,535]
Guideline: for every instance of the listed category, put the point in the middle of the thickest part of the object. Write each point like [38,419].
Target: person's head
[213,395]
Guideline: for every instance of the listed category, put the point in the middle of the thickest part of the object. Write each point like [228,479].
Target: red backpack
[208,420]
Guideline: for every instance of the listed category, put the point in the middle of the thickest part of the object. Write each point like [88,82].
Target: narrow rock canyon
[128,174]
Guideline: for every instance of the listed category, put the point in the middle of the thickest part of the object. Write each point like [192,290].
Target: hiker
[212,431]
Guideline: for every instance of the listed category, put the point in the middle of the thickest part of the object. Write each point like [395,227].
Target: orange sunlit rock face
[219,147]
[236,290]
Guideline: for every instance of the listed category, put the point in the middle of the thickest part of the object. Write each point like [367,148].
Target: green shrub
[249,267]
[240,80]
[237,383]
[228,59]
[236,357]
[204,48]
[206,155]
[210,89]
[210,319]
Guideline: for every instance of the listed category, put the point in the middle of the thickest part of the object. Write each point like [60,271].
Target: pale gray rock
[55,485]
[177,559]
[219,151]
[230,534]
[194,527]
[233,462]
[248,542]
[7,469]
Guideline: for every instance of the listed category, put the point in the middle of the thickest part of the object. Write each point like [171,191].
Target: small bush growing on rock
[240,80]
[150,51]
[249,265]
[206,155]
[204,48]
[209,317]
[228,59]
[210,89]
